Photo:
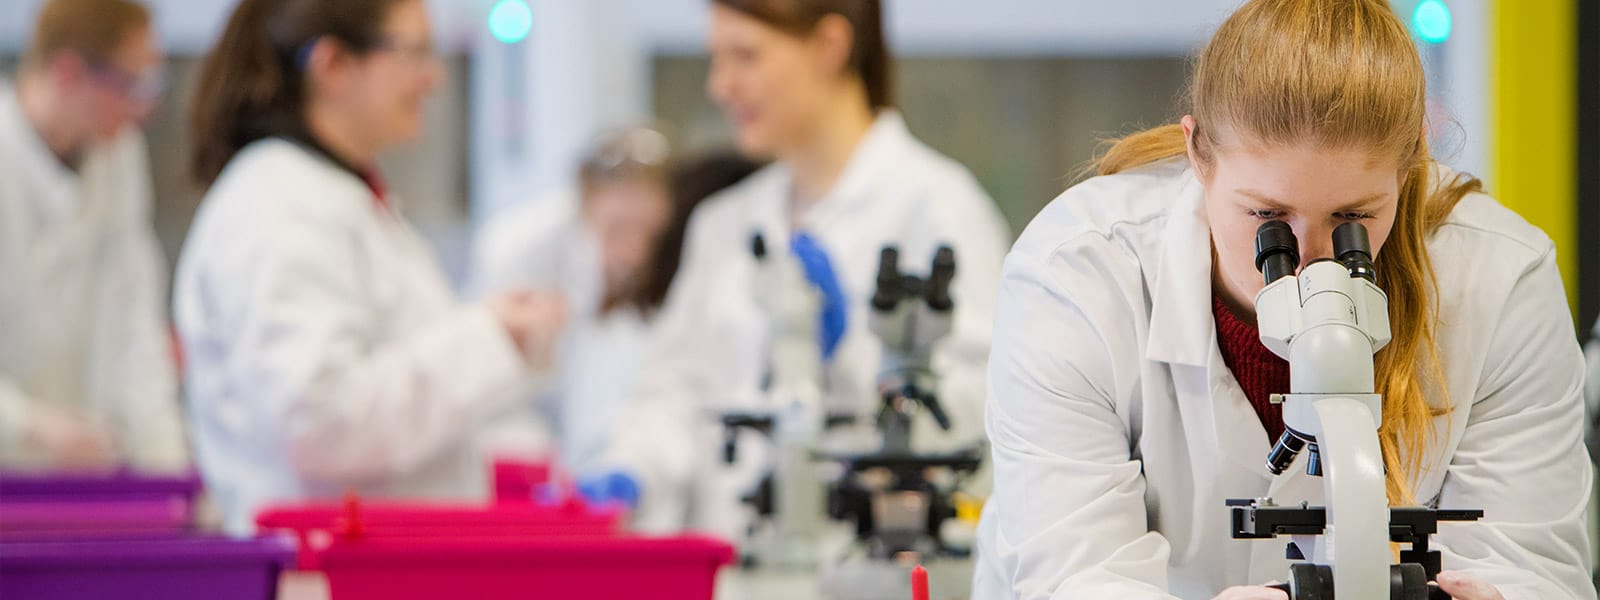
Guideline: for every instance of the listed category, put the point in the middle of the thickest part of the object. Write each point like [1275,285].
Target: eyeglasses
[414,52]
[639,146]
[138,87]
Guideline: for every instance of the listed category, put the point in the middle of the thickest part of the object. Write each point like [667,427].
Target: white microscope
[1328,322]
[900,500]
[790,501]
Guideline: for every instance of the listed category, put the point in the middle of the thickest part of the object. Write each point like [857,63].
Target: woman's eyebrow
[1270,202]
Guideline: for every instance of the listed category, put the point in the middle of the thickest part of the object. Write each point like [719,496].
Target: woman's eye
[1355,216]
[1266,215]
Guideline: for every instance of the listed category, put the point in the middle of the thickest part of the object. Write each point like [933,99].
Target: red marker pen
[919,583]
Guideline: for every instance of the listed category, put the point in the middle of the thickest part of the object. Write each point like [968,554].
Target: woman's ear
[1188,144]
[833,40]
[321,61]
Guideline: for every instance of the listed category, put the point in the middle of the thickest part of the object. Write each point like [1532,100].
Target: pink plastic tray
[595,568]
[315,525]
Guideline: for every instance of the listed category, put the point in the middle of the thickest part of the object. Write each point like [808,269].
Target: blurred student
[611,246]
[86,371]
[327,352]
[805,81]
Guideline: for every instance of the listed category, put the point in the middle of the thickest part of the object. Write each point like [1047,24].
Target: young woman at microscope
[1128,386]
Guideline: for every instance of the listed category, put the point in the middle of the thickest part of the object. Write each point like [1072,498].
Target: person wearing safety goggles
[86,370]
[611,245]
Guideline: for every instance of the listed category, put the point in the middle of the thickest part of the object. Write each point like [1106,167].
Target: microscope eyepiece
[1351,246]
[1277,250]
[889,281]
[939,278]
[758,246]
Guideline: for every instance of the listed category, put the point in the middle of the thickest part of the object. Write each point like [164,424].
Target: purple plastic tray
[34,520]
[120,485]
[210,567]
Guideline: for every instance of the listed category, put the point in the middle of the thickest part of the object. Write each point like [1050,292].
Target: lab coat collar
[1181,323]
[368,176]
[59,196]
[886,141]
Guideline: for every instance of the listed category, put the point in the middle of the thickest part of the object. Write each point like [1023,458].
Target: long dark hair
[251,86]
[869,53]
[692,181]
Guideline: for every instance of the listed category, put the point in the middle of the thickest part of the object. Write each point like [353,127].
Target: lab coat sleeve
[15,413]
[14,405]
[1521,457]
[492,267]
[353,412]
[143,390]
[15,418]
[1069,495]
[510,253]
[145,399]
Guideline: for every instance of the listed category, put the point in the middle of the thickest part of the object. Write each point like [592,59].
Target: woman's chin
[754,146]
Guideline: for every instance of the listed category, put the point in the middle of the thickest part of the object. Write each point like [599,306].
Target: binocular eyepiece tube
[1278,251]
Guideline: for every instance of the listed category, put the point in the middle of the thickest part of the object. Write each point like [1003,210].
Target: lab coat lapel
[1183,335]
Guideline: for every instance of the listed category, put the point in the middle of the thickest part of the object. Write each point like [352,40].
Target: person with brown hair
[86,371]
[1130,393]
[327,352]
[806,82]
[611,247]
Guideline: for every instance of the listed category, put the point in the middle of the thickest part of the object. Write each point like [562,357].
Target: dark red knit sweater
[1260,372]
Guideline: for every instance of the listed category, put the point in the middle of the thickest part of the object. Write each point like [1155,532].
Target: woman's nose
[1315,243]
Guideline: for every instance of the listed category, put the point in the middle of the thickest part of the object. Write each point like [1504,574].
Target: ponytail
[244,83]
[251,85]
[1139,149]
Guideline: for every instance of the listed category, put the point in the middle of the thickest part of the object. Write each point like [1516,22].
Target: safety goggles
[628,149]
[138,87]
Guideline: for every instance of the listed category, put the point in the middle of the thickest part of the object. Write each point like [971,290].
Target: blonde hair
[1338,74]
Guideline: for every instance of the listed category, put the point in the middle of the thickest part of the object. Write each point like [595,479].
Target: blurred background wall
[1021,91]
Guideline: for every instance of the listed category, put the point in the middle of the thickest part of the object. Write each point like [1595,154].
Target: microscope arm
[1358,512]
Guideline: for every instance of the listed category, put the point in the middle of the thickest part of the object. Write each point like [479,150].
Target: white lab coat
[710,350]
[544,245]
[1117,430]
[84,328]
[327,352]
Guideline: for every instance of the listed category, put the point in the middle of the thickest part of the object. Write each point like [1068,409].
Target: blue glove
[819,270]
[612,487]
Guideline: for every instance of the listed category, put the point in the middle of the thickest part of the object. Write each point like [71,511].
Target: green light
[1432,21]
[510,21]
